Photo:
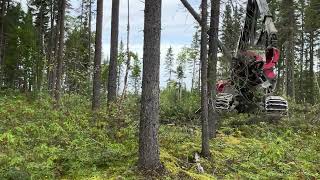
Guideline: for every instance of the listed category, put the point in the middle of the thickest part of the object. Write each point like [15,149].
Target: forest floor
[37,142]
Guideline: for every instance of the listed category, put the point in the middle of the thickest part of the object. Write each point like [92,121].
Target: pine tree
[205,150]
[97,58]
[212,65]
[149,117]
[128,62]
[51,46]
[62,11]
[301,46]
[112,80]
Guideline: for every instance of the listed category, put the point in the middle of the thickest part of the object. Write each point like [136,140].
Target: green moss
[39,142]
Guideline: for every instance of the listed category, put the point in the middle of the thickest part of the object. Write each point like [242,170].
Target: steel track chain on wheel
[276,105]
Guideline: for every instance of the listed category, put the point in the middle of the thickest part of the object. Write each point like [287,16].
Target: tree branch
[197,17]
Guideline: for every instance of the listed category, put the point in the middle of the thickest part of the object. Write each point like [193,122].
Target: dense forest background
[65,112]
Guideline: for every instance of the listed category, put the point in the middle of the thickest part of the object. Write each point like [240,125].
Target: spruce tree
[136,74]
[169,63]
[194,53]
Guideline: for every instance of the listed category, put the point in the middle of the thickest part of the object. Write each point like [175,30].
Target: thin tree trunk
[97,58]
[290,69]
[89,28]
[204,86]
[81,16]
[60,53]
[199,78]
[311,71]
[55,54]
[128,55]
[136,91]
[290,52]
[193,75]
[2,44]
[285,74]
[318,86]
[51,48]
[112,78]
[301,68]
[39,67]
[149,120]
[118,77]
[302,93]
[212,65]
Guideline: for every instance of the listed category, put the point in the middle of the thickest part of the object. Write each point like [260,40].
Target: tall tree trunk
[51,48]
[55,54]
[2,44]
[290,51]
[89,28]
[212,65]
[204,80]
[302,39]
[97,57]
[301,77]
[149,120]
[311,71]
[128,55]
[39,66]
[290,69]
[112,78]
[60,52]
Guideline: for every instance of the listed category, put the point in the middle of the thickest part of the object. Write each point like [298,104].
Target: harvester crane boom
[268,36]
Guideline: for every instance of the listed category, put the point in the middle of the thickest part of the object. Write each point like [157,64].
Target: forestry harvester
[252,79]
